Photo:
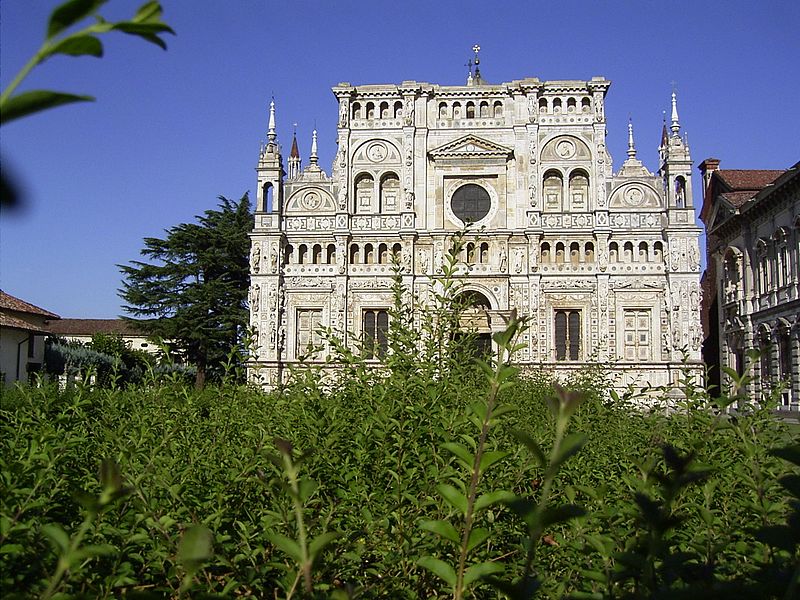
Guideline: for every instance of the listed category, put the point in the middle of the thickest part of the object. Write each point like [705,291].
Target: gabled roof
[737,199]
[13,322]
[92,326]
[9,302]
[471,146]
[748,179]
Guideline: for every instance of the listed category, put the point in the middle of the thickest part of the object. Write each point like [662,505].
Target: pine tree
[193,290]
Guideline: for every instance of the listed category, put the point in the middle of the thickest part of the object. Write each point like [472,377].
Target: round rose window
[471,203]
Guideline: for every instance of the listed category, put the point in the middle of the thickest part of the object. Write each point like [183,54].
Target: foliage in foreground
[366,491]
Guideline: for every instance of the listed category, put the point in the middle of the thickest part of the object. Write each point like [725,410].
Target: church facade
[605,264]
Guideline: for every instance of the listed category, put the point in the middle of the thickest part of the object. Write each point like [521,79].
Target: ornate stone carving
[255,258]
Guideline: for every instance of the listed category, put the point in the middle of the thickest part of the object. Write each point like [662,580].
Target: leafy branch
[146,24]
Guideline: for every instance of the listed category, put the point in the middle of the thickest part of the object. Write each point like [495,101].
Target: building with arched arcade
[604,263]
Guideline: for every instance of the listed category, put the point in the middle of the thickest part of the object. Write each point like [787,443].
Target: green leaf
[559,514]
[481,570]
[319,543]
[57,536]
[476,537]
[491,457]
[195,545]
[531,445]
[28,103]
[287,545]
[443,529]
[146,31]
[70,13]
[490,498]
[460,451]
[306,488]
[569,446]
[439,568]
[11,549]
[77,45]
[454,497]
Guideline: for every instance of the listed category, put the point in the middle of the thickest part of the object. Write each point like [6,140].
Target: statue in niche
[534,200]
[342,198]
[532,152]
[439,258]
[408,199]
[408,112]
[255,297]
[273,260]
[423,262]
[255,258]
[694,257]
[341,259]
[675,255]
[407,261]
[532,112]
[503,259]
[535,258]
[598,107]
[343,113]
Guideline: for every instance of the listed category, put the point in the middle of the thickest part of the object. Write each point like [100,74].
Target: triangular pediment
[471,146]
[721,212]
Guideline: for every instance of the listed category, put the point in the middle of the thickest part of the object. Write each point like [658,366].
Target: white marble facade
[605,264]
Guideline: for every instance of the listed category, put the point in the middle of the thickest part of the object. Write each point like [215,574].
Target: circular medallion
[634,196]
[565,149]
[377,152]
[311,201]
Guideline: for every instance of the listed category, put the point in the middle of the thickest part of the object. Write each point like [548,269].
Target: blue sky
[170,131]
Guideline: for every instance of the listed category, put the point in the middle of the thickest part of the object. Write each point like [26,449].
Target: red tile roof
[9,302]
[748,179]
[15,323]
[738,199]
[92,326]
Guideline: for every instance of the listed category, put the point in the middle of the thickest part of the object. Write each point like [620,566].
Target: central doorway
[476,322]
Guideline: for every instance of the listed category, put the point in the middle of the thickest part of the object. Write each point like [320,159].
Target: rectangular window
[568,334]
[636,325]
[308,324]
[31,345]
[375,327]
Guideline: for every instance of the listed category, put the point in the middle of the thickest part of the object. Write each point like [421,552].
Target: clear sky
[170,131]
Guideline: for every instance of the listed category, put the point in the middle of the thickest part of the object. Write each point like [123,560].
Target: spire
[675,126]
[294,157]
[271,135]
[631,146]
[313,158]
[475,78]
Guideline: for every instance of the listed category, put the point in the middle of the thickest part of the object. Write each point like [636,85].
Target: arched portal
[475,322]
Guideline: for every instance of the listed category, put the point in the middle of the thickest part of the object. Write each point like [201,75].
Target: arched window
[680,192]
[354,254]
[557,105]
[375,325]
[628,252]
[613,252]
[470,110]
[330,256]
[442,110]
[317,254]
[586,105]
[731,276]
[552,188]
[356,110]
[269,203]
[456,110]
[498,109]
[385,110]
[571,105]
[578,189]
[567,334]
[542,105]
[390,191]
[288,254]
[559,252]
[302,254]
[546,252]
[383,254]
[365,188]
[370,110]
[397,253]
[470,253]
[782,268]
[369,254]
[762,266]
[484,109]
[643,252]
[484,253]
[589,252]
[658,251]
[398,109]
[574,253]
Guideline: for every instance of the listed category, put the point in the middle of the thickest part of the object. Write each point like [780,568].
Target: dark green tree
[193,290]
